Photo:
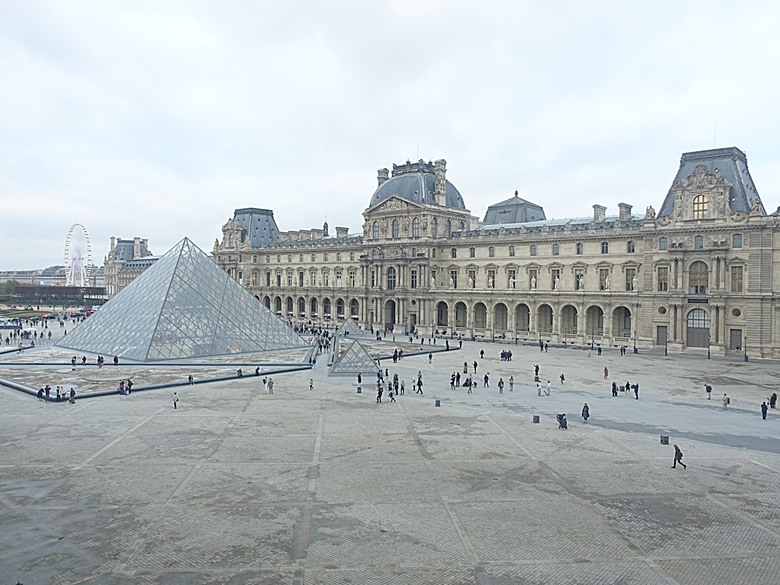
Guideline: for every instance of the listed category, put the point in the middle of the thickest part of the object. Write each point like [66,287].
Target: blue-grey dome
[416,182]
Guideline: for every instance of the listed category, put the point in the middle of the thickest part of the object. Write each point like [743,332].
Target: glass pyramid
[350,327]
[355,360]
[182,306]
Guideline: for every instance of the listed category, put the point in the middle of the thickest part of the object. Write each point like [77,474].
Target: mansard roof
[729,163]
[513,210]
[258,225]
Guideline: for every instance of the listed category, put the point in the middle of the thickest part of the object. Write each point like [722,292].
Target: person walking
[392,397]
[563,379]
[511,383]
[708,390]
[548,388]
[585,412]
[175,400]
[465,368]
[475,366]
[486,380]
[606,372]
[311,383]
[636,390]
[763,410]
[614,389]
[538,388]
[190,380]
[270,386]
[773,400]
[482,354]
[430,357]
[72,395]
[725,401]
[678,455]
[379,391]
[501,386]
[403,388]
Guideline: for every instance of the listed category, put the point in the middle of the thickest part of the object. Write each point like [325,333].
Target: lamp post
[666,345]
[708,344]
[744,347]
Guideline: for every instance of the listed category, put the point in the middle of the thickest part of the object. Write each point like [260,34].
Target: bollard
[664,439]
[536,419]
[438,402]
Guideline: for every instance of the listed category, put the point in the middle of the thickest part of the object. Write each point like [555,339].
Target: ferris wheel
[78,256]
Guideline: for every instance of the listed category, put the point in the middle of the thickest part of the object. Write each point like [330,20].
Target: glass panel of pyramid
[355,360]
[182,306]
[349,327]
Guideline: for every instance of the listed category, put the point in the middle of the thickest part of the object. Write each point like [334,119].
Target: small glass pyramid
[182,306]
[355,360]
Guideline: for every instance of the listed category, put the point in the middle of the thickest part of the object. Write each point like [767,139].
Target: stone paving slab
[326,486]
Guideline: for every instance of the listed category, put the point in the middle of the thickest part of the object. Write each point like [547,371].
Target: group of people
[61,394]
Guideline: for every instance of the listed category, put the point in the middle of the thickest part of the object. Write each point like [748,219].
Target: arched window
[453,253]
[533,249]
[491,251]
[698,278]
[462,226]
[579,248]
[605,247]
[390,278]
[511,250]
[375,230]
[663,243]
[736,241]
[556,249]
[395,229]
[630,246]
[434,227]
[700,206]
[472,252]
[416,227]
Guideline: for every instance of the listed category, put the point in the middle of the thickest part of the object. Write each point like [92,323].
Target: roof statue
[354,360]
[183,306]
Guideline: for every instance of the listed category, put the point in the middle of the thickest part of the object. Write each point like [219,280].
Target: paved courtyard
[327,486]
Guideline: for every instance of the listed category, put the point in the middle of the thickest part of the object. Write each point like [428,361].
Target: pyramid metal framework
[349,326]
[355,360]
[183,306]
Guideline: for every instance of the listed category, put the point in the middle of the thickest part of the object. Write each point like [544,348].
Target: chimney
[113,242]
[599,213]
[381,176]
[440,182]
[136,247]
[625,211]
[341,232]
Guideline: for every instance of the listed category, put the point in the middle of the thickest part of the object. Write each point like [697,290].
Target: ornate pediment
[707,191]
[395,205]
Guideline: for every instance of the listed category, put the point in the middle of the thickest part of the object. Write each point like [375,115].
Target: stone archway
[569,320]
[522,318]
[544,315]
[697,328]
[461,315]
[622,322]
[442,314]
[480,316]
[389,314]
[594,321]
[499,317]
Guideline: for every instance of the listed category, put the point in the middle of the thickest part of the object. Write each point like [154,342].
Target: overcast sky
[157,119]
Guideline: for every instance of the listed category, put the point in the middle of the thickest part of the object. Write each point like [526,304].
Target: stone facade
[696,276]
[125,261]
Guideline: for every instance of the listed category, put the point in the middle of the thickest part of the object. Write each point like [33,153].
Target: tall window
[375,230]
[454,278]
[663,243]
[390,278]
[416,227]
[630,275]
[630,246]
[300,278]
[556,249]
[325,276]
[698,279]
[453,252]
[472,252]
[698,242]
[472,278]
[434,228]
[448,228]
[338,278]
[579,248]
[579,279]
[605,247]
[491,251]
[413,278]
[603,276]
[700,206]
[736,241]
[736,279]
[351,256]
[314,257]
[511,251]
[396,227]
[663,278]
[533,249]
[511,276]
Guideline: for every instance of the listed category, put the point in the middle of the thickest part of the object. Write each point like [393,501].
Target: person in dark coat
[763,410]
[678,455]
[585,412]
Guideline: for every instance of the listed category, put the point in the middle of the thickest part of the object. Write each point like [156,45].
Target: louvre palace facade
[697,275]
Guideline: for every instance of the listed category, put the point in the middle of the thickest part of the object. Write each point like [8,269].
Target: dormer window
[700,206]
